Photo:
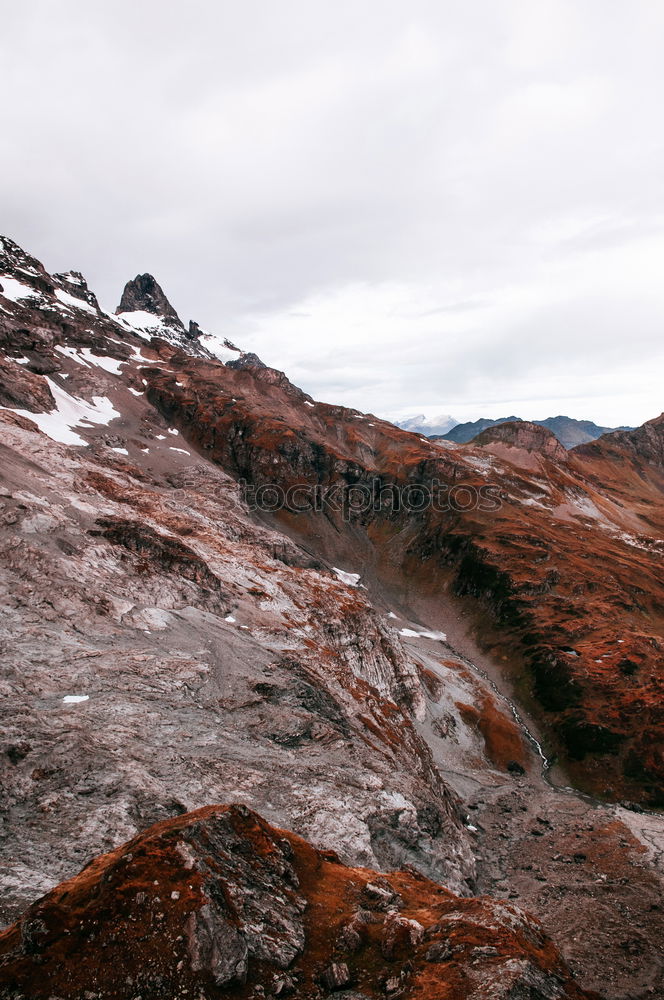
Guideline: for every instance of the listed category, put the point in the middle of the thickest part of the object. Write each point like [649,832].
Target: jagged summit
[145,307]
[144,294]
[51,308]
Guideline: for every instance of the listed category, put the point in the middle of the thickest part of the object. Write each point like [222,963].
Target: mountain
[219,594]
[570,432]
[463,433]
[428,426]
[527,437]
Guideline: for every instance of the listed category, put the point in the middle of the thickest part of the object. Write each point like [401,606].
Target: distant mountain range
[570,432]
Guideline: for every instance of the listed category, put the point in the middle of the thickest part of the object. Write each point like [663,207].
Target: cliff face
[218,901]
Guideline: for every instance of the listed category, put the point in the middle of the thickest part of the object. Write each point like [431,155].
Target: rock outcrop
[144,294]
[218,900]
[523,434]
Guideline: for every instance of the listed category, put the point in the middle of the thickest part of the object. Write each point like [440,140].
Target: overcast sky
[408,206]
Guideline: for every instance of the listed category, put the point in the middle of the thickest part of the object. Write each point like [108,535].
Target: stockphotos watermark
[356,499]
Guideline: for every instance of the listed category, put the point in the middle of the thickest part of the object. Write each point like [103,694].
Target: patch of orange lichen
[503,741]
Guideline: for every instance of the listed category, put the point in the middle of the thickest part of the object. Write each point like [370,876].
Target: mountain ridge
[375,677]
[569,431]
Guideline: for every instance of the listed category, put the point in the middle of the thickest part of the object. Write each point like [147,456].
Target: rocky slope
[170,639]
[516,523]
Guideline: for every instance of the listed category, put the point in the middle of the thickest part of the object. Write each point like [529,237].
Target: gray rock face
[144,294]
[203,643]
[336,976]
[21,389]
[254,908]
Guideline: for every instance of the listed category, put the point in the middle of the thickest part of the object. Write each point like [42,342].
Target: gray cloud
[438,206]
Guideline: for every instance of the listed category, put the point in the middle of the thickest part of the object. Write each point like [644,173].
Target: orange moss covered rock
[218,902]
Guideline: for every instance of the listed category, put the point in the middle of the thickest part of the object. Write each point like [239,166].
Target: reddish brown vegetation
[217,901]
[503,741]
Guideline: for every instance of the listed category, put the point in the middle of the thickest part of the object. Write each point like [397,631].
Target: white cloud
[436,206]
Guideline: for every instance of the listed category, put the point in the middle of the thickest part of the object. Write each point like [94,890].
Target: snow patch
[423,634]
[350,579]
[71,279]
[111,365]
[84,356]
[143,323]
[73,303]
[220,347]
[15,290]
[71,412]
[74,699]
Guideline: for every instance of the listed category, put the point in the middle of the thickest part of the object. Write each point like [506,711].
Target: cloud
[435,206]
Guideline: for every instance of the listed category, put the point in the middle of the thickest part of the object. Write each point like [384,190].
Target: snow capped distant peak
[440,423]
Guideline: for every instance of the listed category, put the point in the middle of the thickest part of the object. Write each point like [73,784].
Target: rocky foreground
[385,682]
[218,900]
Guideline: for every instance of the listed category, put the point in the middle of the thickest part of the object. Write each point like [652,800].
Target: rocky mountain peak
[643,444]
[22,267]
[144,294]
[73,283]
[525,435]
